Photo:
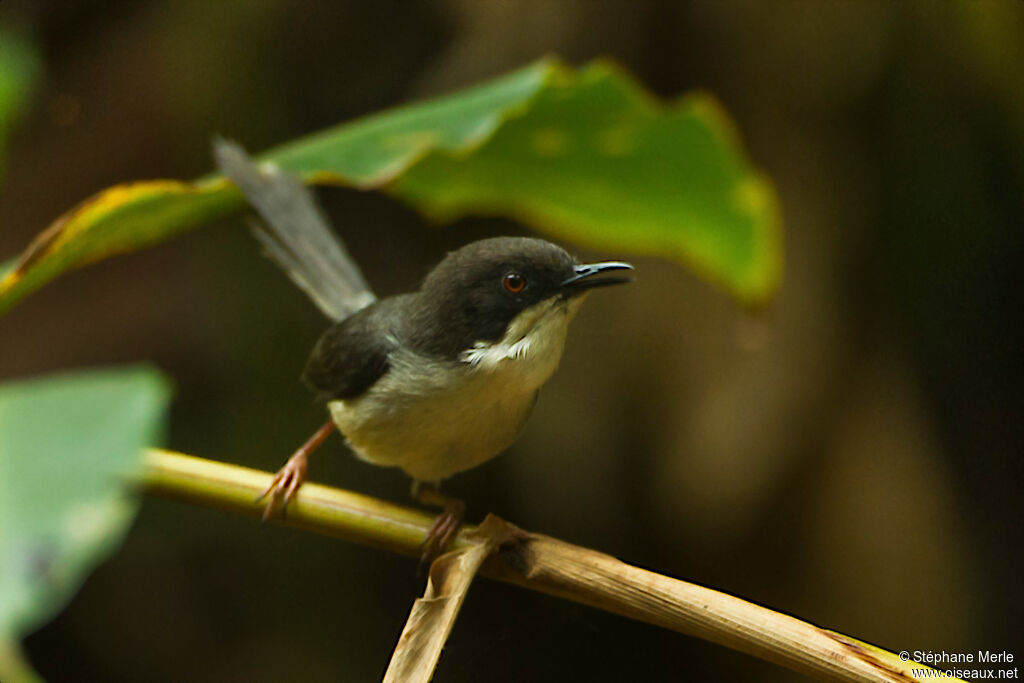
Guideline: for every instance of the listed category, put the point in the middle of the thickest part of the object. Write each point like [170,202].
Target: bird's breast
[435,418]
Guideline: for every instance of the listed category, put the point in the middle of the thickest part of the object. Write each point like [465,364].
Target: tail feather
[296,234]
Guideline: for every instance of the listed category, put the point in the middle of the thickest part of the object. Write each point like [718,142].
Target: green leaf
[66,445]
[585,156]
[599,162]
[18,68]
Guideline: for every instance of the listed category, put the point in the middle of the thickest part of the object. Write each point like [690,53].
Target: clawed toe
[442,532]
[284,486]
[289,478]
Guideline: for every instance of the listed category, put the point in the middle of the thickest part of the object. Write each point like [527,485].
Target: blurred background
[851,455]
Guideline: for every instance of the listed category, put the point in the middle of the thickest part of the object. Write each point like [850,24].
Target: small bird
[435,381]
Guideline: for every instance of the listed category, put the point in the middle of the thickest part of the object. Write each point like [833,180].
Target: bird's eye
[514,282]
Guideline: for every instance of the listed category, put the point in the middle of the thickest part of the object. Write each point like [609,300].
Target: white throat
[532,345]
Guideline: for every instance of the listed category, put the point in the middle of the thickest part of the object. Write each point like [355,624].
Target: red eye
[514,282]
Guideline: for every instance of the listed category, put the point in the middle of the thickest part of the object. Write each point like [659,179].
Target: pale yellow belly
[439,428]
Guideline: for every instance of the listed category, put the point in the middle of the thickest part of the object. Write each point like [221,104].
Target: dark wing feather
[296,234]
[353,354]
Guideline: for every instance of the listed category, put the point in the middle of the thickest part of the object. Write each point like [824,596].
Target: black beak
[585,276]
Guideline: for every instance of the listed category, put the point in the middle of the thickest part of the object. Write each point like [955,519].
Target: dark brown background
[853,456]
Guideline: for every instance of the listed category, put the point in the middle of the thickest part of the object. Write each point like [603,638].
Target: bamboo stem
[542,564]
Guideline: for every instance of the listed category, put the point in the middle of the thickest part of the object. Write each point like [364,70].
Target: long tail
[296,234]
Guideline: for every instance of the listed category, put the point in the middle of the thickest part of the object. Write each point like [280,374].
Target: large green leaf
[66,444]
[18,67]
[586,156]
[600,162]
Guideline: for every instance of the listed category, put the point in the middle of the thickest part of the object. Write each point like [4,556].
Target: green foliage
[66,444]
[597,161]
[584,155]
[18,67]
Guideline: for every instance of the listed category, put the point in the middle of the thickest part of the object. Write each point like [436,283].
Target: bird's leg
[447,524]
[290,477]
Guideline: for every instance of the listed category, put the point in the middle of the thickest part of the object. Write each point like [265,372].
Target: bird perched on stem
[435,381]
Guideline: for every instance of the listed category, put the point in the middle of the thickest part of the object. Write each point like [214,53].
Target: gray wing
[296,234]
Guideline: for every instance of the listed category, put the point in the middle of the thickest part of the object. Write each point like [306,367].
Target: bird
[435,381]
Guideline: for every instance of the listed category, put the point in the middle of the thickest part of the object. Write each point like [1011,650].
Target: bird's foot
[444,529]
[285,483]
[290,477]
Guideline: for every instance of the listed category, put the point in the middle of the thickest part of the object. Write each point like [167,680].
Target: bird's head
[506,290]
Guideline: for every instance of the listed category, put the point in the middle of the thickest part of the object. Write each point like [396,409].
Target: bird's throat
[533,341]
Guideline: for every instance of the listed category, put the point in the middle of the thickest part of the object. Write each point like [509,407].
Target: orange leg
[447,524]
[290,477]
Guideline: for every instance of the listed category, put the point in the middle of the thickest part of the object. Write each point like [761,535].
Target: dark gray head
[476,292]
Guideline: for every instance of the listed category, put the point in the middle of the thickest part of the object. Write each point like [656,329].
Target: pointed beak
[588,275]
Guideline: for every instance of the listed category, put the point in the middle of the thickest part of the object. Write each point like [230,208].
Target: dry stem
[543,564]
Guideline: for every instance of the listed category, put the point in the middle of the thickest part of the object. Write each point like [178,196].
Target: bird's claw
[442,532]
[284,485]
